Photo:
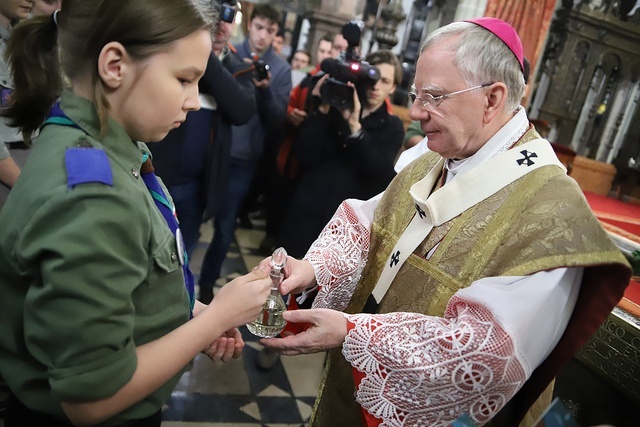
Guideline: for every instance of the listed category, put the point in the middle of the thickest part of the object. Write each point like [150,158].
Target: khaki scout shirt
[86,273]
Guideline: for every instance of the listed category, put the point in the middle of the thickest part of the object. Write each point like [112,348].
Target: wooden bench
[402,113]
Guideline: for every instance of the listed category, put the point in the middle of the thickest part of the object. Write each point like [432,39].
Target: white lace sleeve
[422,370]
[338,255]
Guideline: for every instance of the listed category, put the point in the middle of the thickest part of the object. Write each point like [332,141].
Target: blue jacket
[200,149]
[249,139]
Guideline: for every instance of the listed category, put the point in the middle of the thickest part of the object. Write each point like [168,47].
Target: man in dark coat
[343,154]
[193,160]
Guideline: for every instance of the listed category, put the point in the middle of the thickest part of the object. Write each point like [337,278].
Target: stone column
[391,15]
[330,16]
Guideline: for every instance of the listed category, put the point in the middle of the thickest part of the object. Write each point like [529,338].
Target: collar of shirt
[511,132]
[83,112]
[245,51]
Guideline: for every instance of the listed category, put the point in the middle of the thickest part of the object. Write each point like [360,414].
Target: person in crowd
[98,313]
[339,46]
[343,154]
[325,49]
[297,108]
[282,185]
[11,141]
[193,160]
[249,141]
[474,277]
[413,135]
[13,149]
[278,43]
[329,46]
[300,66]
[45,7]
[276,207]
[300,60]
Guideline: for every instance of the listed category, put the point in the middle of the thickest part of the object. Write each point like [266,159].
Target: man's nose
[417,112]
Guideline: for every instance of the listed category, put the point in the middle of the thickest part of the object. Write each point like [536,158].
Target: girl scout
[97,316]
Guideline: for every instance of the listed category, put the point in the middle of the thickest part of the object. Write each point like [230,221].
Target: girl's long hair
[43,53]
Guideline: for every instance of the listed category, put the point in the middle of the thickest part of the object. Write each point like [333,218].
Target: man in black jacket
[193,160]
[343,154]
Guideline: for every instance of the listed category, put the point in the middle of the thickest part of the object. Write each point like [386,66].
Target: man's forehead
[435,62]
[340,41]
[430,79]
[264,22]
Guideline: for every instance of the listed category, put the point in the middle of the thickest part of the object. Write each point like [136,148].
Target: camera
[260,68]
[335,91]
[226,12]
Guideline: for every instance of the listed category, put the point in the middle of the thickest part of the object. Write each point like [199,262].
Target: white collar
[511,132]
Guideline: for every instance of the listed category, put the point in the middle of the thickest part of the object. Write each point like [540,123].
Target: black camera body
[335,91]
[260,68]
[226,12]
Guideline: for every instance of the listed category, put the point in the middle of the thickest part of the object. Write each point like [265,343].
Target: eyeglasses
[430,102]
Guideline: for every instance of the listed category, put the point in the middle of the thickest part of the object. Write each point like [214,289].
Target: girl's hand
[240,301]
[228,346]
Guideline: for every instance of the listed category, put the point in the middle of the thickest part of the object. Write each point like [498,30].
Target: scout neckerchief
[451,200]
[57,116]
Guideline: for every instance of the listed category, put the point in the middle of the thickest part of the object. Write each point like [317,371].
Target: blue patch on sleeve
[85,165]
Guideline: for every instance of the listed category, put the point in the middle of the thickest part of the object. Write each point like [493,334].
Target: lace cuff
[422,370]
[338,256]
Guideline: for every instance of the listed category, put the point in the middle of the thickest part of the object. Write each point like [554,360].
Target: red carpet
[616,216]
[631,300]
[622,219]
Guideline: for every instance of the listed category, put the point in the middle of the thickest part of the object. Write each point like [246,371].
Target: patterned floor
[237,393]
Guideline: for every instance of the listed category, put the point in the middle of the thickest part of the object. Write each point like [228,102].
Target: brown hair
[263,10]
[82,29]
[328,37]
[385,56]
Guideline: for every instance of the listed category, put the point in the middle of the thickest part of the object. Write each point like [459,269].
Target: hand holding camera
[261,73]
[349,75]
[316,92]
[350,112]
[226,12]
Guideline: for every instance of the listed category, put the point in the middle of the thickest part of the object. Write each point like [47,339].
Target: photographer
[193,160]
[343,153]
[272,84]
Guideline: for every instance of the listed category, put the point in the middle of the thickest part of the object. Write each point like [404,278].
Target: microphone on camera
[330,66]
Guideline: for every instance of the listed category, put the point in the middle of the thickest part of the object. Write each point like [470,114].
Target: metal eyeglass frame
[433,101]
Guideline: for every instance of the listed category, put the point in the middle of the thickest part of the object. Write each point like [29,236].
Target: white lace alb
[427,371]
[338,256]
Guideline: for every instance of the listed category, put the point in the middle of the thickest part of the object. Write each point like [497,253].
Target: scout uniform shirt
[88,269]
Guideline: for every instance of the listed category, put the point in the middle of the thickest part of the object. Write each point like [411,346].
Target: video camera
[335,91]
[226,12]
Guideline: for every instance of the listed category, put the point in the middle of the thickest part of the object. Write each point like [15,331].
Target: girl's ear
[113,63]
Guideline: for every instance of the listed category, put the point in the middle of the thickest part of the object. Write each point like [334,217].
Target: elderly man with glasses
[466,286]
